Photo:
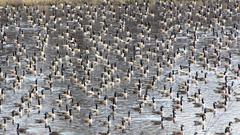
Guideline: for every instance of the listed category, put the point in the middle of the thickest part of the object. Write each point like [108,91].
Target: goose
[21,130]
[160,112]
[0,105]
[138,108]
[105,133]
[201,114]
[121,126]
[108,122]
[69,115]
[104,101]
[38,106]
[200,122]
[22,104]
[95,110]
[221,105]
[28,110]
[123,94]
[51,132]
[3,125]
[12,117]
[171,117]
[41,96]
[19,112]
[128,118]
[44,120]
[89,120]
[77,107]
[213,110]
[2,94]
[153,103]
[59,101]
[114,97]
[179,132]
[51,114]
[199,104]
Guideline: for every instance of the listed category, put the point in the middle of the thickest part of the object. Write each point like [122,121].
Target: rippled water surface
[38,35]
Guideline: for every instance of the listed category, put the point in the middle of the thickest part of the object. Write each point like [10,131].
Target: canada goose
[44,120]
[19,112]
[0,105]
[160,112]
[3,125]
[128,118]
[138,108]
[95,110]
[200,122]
[89,120]
[171,117]
[51,132]
[21,130]
[227,131]
[123,94]
[179,132]
[22,104]
[51,114]
[2,94]
[77,107]
[59,100]
[221,105]
[153,103]
[38,106]
[69,115]
[121,126]
[105,133]
[108,122]
[41,96]
[104,101]
[158,122]
[28,110]
[67,94]
[114,97]
[200,104]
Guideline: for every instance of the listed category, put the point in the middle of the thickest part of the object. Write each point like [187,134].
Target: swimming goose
[123,94]
[3,125]
[221,105]
[89,120]
[179,132]
[44,120]
[104,101]
[21,130]
[171,117]
[22,104]
[108,122]
[77,107]
[51,132]
[51,114]
[41,96]
[138,108]
[95,110]
[200,122]
[59,101]
[121,126]
[19,112]
[153,103]
[128,118]
[38,106]
[69,115]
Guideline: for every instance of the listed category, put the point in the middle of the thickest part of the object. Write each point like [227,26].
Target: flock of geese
[136,68]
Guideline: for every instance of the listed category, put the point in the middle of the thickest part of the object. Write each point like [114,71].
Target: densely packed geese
[166,67]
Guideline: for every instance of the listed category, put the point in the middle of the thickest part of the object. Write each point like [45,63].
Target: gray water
[141,123]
